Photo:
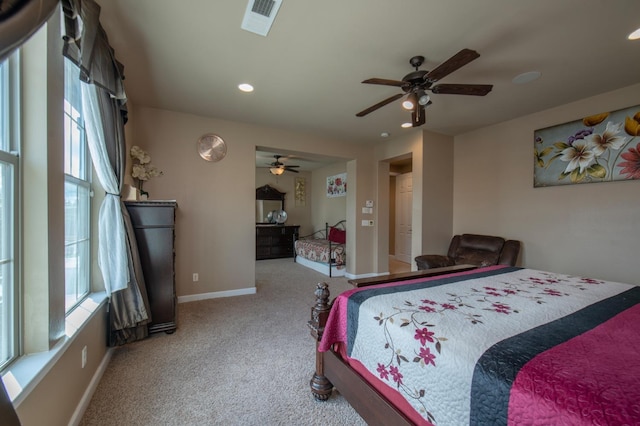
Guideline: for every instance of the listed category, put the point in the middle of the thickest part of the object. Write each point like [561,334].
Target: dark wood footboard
[331,371]
[404,276]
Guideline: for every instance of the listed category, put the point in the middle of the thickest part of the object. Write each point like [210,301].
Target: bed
[494,345]
[324,250]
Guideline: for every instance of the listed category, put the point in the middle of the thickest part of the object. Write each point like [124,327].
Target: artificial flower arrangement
[142,169]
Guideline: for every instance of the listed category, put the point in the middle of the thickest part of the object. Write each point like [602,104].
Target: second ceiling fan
[277,167]
[416,83]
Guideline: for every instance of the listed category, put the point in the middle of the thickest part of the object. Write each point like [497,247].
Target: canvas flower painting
[599,148]
[337,185]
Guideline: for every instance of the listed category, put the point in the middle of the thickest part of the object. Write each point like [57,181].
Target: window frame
[9,154]
[81,179]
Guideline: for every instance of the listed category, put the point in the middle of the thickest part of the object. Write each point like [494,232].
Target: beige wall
[326,209]
[215,227]
[437,193]
[56,397]
[587,229]
[216,199]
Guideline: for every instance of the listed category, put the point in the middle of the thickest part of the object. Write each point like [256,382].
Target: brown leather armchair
[471,249]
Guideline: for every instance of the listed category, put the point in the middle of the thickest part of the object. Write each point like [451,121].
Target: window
[77,189]
[9,290]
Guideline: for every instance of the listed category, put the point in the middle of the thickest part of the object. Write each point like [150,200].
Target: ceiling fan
[416,83]
[277,167]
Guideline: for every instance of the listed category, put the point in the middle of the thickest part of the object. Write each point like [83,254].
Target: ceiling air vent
[259,16]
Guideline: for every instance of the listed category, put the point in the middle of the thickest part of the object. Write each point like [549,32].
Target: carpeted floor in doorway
[243,360]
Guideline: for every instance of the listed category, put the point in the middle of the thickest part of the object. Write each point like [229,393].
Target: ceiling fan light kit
[416,83]
[278,167]
[410,103]
[423,98]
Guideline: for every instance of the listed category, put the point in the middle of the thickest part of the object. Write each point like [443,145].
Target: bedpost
[320,386]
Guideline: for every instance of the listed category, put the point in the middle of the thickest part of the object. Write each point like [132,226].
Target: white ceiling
[189,56]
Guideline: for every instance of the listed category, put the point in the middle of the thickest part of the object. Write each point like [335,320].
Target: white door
[404,205]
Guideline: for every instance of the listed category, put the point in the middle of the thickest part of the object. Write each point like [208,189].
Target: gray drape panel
[19,19]
[118,251]
[87,45]
[103,100]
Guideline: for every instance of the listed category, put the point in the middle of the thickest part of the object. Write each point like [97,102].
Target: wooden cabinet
[154,225]
[274,241]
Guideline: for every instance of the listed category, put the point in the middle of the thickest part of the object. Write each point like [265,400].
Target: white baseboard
[93,385]
[216,295]
[323,268]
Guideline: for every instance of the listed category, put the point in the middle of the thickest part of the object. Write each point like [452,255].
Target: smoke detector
[259,16]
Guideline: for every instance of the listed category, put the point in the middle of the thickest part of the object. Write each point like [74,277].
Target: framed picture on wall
[337,185]
[603,147]
[300,192]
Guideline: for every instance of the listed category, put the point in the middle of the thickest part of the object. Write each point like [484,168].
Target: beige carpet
[243,360]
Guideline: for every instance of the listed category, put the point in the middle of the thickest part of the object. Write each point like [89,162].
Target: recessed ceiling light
[526,77]
[634,35]
[384,134]
[245,87]
[405,125]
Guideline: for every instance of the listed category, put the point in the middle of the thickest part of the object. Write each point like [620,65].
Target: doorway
[400,214]
[404,203]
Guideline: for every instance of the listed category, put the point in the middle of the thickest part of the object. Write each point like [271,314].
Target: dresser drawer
[274,241]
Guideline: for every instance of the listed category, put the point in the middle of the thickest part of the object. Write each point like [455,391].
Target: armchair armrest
[429,261]
[510,252]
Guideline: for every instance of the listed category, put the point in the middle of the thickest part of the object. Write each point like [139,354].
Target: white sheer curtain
[112,257]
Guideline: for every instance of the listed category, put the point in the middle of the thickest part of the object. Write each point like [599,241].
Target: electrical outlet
[84,356]
[196,277]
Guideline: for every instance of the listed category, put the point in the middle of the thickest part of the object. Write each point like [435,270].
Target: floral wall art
[300,192]
[337,185]
[599,148]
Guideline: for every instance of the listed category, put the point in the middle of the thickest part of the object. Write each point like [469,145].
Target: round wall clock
[212,147]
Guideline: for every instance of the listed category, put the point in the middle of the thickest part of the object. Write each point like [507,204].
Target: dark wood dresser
[274,241]
[154,224]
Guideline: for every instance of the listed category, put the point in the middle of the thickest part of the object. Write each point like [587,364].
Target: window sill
[23,375]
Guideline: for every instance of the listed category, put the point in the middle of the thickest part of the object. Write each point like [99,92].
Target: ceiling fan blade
[289,169]
[462,89]
[379,105]
[385,82]
[418,117]
[458,60]
[293,165]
